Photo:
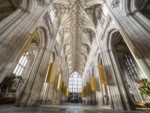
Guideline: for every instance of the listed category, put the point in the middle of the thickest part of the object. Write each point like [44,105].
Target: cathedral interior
[74,56]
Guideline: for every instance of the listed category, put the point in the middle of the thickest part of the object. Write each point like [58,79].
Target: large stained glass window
[75,83]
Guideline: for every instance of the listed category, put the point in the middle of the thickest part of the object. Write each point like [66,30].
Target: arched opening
[33,74]
[7,7]
[87,48]
[21,71]
[99,59]
[139,10]
[130,72]
[143,7]
[75,88]
[24,68]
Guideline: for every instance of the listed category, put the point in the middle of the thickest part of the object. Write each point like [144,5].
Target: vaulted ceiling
[77,29]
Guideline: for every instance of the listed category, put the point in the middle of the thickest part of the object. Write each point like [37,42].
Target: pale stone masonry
[76,35]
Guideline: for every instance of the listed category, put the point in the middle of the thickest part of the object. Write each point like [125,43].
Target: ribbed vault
[77,25]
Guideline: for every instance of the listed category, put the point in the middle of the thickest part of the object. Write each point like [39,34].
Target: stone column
[45,94]
[51,92]
[57,97]
[58,93]
[25,94]
[99,89]
[25,76]
[117,89]
[111,79]
[34,99]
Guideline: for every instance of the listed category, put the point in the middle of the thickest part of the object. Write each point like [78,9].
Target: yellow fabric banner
[65,88]
[87,88]
[102,74]
[28,42]
[62,87]
[67,92]
[92,80]
[50,72]
[83,92]
[58,81]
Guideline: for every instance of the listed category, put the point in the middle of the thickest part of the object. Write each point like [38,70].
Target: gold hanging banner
[28,42]
[62,87]
[58,81]
[92,80]
[50,72]
[87,88]
[67,92]
[102,74]
[84,93]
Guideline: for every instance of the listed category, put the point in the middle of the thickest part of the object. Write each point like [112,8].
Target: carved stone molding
[115,3]
[43,2]
[48,23]
[46,16]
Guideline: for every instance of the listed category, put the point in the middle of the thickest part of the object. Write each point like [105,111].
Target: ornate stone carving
[46,17]
[115,3]
[47,22]
[43,2]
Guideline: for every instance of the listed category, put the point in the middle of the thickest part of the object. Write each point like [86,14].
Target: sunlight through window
[21,64]
[75,83]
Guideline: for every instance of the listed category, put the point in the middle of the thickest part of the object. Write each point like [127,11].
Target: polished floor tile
[62,109]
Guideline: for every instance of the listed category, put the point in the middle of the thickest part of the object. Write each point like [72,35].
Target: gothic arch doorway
[35,45]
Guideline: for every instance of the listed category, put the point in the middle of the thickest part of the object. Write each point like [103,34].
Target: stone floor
[76,108]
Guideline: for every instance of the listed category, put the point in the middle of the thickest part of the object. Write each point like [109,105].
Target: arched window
[132,70]
[144,7]
[75,83]
[21,64]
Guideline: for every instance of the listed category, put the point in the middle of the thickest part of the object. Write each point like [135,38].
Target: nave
[92,52]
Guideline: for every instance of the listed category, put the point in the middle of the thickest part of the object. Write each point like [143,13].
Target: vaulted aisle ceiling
[77,26]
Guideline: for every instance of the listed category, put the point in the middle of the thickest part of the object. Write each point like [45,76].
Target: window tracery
[75,83]
[21,64]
